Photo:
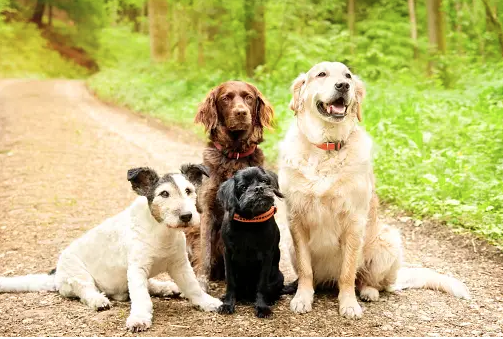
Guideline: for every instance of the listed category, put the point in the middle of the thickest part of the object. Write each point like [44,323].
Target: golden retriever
[326,175]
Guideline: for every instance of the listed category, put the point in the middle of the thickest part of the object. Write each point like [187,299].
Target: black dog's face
[250,192]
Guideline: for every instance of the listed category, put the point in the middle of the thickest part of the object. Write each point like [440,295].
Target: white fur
[118,257]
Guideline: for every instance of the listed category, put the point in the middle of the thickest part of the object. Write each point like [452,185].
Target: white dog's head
[172,197]
[327,95]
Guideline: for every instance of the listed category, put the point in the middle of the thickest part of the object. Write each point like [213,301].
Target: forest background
[433,71]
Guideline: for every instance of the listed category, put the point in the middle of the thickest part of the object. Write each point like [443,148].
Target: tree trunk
[255,34]
[215,14]
[496,24]
[50,15]
[159,30]
[133,13]
[474,12]
[459,39]
[436,34]
[144,19]
[114,12]
[181,17]
[413,27]
[200,44]
[38,13]
[351,24]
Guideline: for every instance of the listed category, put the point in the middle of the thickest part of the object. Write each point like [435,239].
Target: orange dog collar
[331,146]
[235,155]
[259,218]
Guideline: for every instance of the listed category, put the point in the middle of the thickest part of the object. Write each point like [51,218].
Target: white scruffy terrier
[118,258]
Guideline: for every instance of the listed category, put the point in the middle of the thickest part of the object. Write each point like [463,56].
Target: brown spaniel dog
[235,114]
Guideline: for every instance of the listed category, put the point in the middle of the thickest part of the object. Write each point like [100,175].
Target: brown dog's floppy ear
[264,108]
[195,173]
[360,94]
[295,104]
[142,179]
[207,112]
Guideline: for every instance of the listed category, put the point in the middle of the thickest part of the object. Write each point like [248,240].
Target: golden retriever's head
[328,91]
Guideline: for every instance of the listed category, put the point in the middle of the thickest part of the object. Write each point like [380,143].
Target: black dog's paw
[226,309]
[263,311]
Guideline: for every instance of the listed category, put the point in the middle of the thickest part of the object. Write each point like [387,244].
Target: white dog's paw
[98,302]
[302,302]
[369,294]
[169,288]
[138,323]
[207,303]
[349,307]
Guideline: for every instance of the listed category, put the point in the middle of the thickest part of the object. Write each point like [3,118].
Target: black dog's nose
[259,189]
[185,217]
[342,86]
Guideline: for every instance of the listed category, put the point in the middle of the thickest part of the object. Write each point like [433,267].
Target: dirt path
[63,163]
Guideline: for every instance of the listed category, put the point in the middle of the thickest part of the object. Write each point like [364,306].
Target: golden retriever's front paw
[302,302]
[139,323]
[349,308]
[207,303]
[369,294]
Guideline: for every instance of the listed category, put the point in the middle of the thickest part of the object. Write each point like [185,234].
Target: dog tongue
[340,109]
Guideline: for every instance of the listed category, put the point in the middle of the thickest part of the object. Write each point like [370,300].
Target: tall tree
[496,23]
[436,31]
[38,13]
[159,30]
[351,24]
[457,7]
[182,20]
[413,27]
[215,13]
[255,34]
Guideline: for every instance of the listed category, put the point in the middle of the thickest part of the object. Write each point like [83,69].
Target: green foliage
[438,152]
[24,53]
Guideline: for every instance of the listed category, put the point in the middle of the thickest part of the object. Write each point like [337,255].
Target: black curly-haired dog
[251,240]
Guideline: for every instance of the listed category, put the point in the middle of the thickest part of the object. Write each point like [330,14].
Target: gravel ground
[63,162]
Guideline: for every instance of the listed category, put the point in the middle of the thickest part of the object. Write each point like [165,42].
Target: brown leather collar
[259,218]
[235,155]
[331,146]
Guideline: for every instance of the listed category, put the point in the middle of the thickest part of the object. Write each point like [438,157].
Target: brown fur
[235,114]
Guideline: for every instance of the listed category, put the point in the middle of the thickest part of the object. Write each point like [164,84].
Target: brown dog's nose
[342,86]
[240,111]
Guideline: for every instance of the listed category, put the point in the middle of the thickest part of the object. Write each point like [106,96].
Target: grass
[438,153]
[24,54]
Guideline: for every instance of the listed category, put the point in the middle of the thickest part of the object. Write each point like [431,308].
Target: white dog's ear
[360,94]
[142,179]
[295,104]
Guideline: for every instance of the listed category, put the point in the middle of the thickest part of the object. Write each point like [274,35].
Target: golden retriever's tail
[28,283]
[429,279]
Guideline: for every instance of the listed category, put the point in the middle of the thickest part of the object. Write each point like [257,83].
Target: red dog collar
[235,155]
[259,218]
[331,146]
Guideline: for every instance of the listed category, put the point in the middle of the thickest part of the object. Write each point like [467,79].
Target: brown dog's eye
[249,99]
[322,75]
[225,99]
[164,194]
[348,75]
[188,191]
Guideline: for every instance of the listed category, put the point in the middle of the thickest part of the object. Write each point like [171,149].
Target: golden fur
[332,205]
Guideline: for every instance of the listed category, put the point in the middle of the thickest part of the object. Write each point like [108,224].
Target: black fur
[251,249]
